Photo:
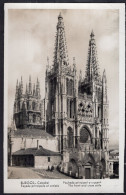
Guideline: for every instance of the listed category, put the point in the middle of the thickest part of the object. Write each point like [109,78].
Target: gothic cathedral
[75,110]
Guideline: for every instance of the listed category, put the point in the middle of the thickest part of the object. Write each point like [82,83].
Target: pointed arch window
[70,108]
[69,86]
[33,105]
[99,112]
[70,137]
[67,83]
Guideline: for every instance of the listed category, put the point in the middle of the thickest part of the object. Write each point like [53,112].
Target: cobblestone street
[31,173]
[51,175]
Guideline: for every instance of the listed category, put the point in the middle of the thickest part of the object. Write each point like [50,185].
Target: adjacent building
[114,164]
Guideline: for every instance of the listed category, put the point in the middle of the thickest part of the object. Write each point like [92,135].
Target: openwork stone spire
[92,72]
[30,85]
[60,52]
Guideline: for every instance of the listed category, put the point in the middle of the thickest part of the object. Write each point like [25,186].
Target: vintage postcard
[64,84]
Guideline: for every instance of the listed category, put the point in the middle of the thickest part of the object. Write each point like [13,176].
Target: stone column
[78,141]
[74,136]
[68,114]
[79,172]
[107,167]
[59,143]
[56,111]
[74,141]
[64,142]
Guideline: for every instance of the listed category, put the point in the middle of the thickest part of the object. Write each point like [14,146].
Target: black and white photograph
[63,94]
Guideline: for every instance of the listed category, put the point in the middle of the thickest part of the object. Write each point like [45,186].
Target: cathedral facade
[77,110]
[74,110]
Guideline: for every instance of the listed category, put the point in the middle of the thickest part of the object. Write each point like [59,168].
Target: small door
[87,173]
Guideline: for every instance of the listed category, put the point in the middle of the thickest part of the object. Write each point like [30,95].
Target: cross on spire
[92,34]
[60,16]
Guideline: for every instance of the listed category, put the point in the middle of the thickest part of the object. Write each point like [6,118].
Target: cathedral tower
[77,108]
[92,72]
[27,106]
[61,90]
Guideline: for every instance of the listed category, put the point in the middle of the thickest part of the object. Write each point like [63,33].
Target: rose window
[84,135]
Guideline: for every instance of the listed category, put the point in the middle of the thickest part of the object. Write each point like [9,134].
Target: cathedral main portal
[87,173]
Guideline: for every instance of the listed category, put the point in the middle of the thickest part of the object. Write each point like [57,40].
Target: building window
[33,105]
[69,85]
[84,135]
[98,112]
[70,137]
[48,159]
[70,108]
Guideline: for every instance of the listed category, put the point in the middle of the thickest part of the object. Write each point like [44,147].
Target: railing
[84,96]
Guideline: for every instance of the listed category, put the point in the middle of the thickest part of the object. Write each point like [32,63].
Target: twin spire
[61,54]
[60,51]
[35,91]
[92,67]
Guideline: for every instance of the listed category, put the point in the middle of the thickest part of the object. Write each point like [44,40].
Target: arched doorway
[88,170]
[88,166]
[70,137]
[73,167]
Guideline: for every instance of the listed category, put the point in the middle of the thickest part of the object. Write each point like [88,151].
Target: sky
[31,38]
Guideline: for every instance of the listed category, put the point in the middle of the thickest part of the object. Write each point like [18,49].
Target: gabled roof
[36,152]
[114,152]
[32,133]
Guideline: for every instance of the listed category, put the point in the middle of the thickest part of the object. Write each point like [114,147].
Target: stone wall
[19,143]
[43,161]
